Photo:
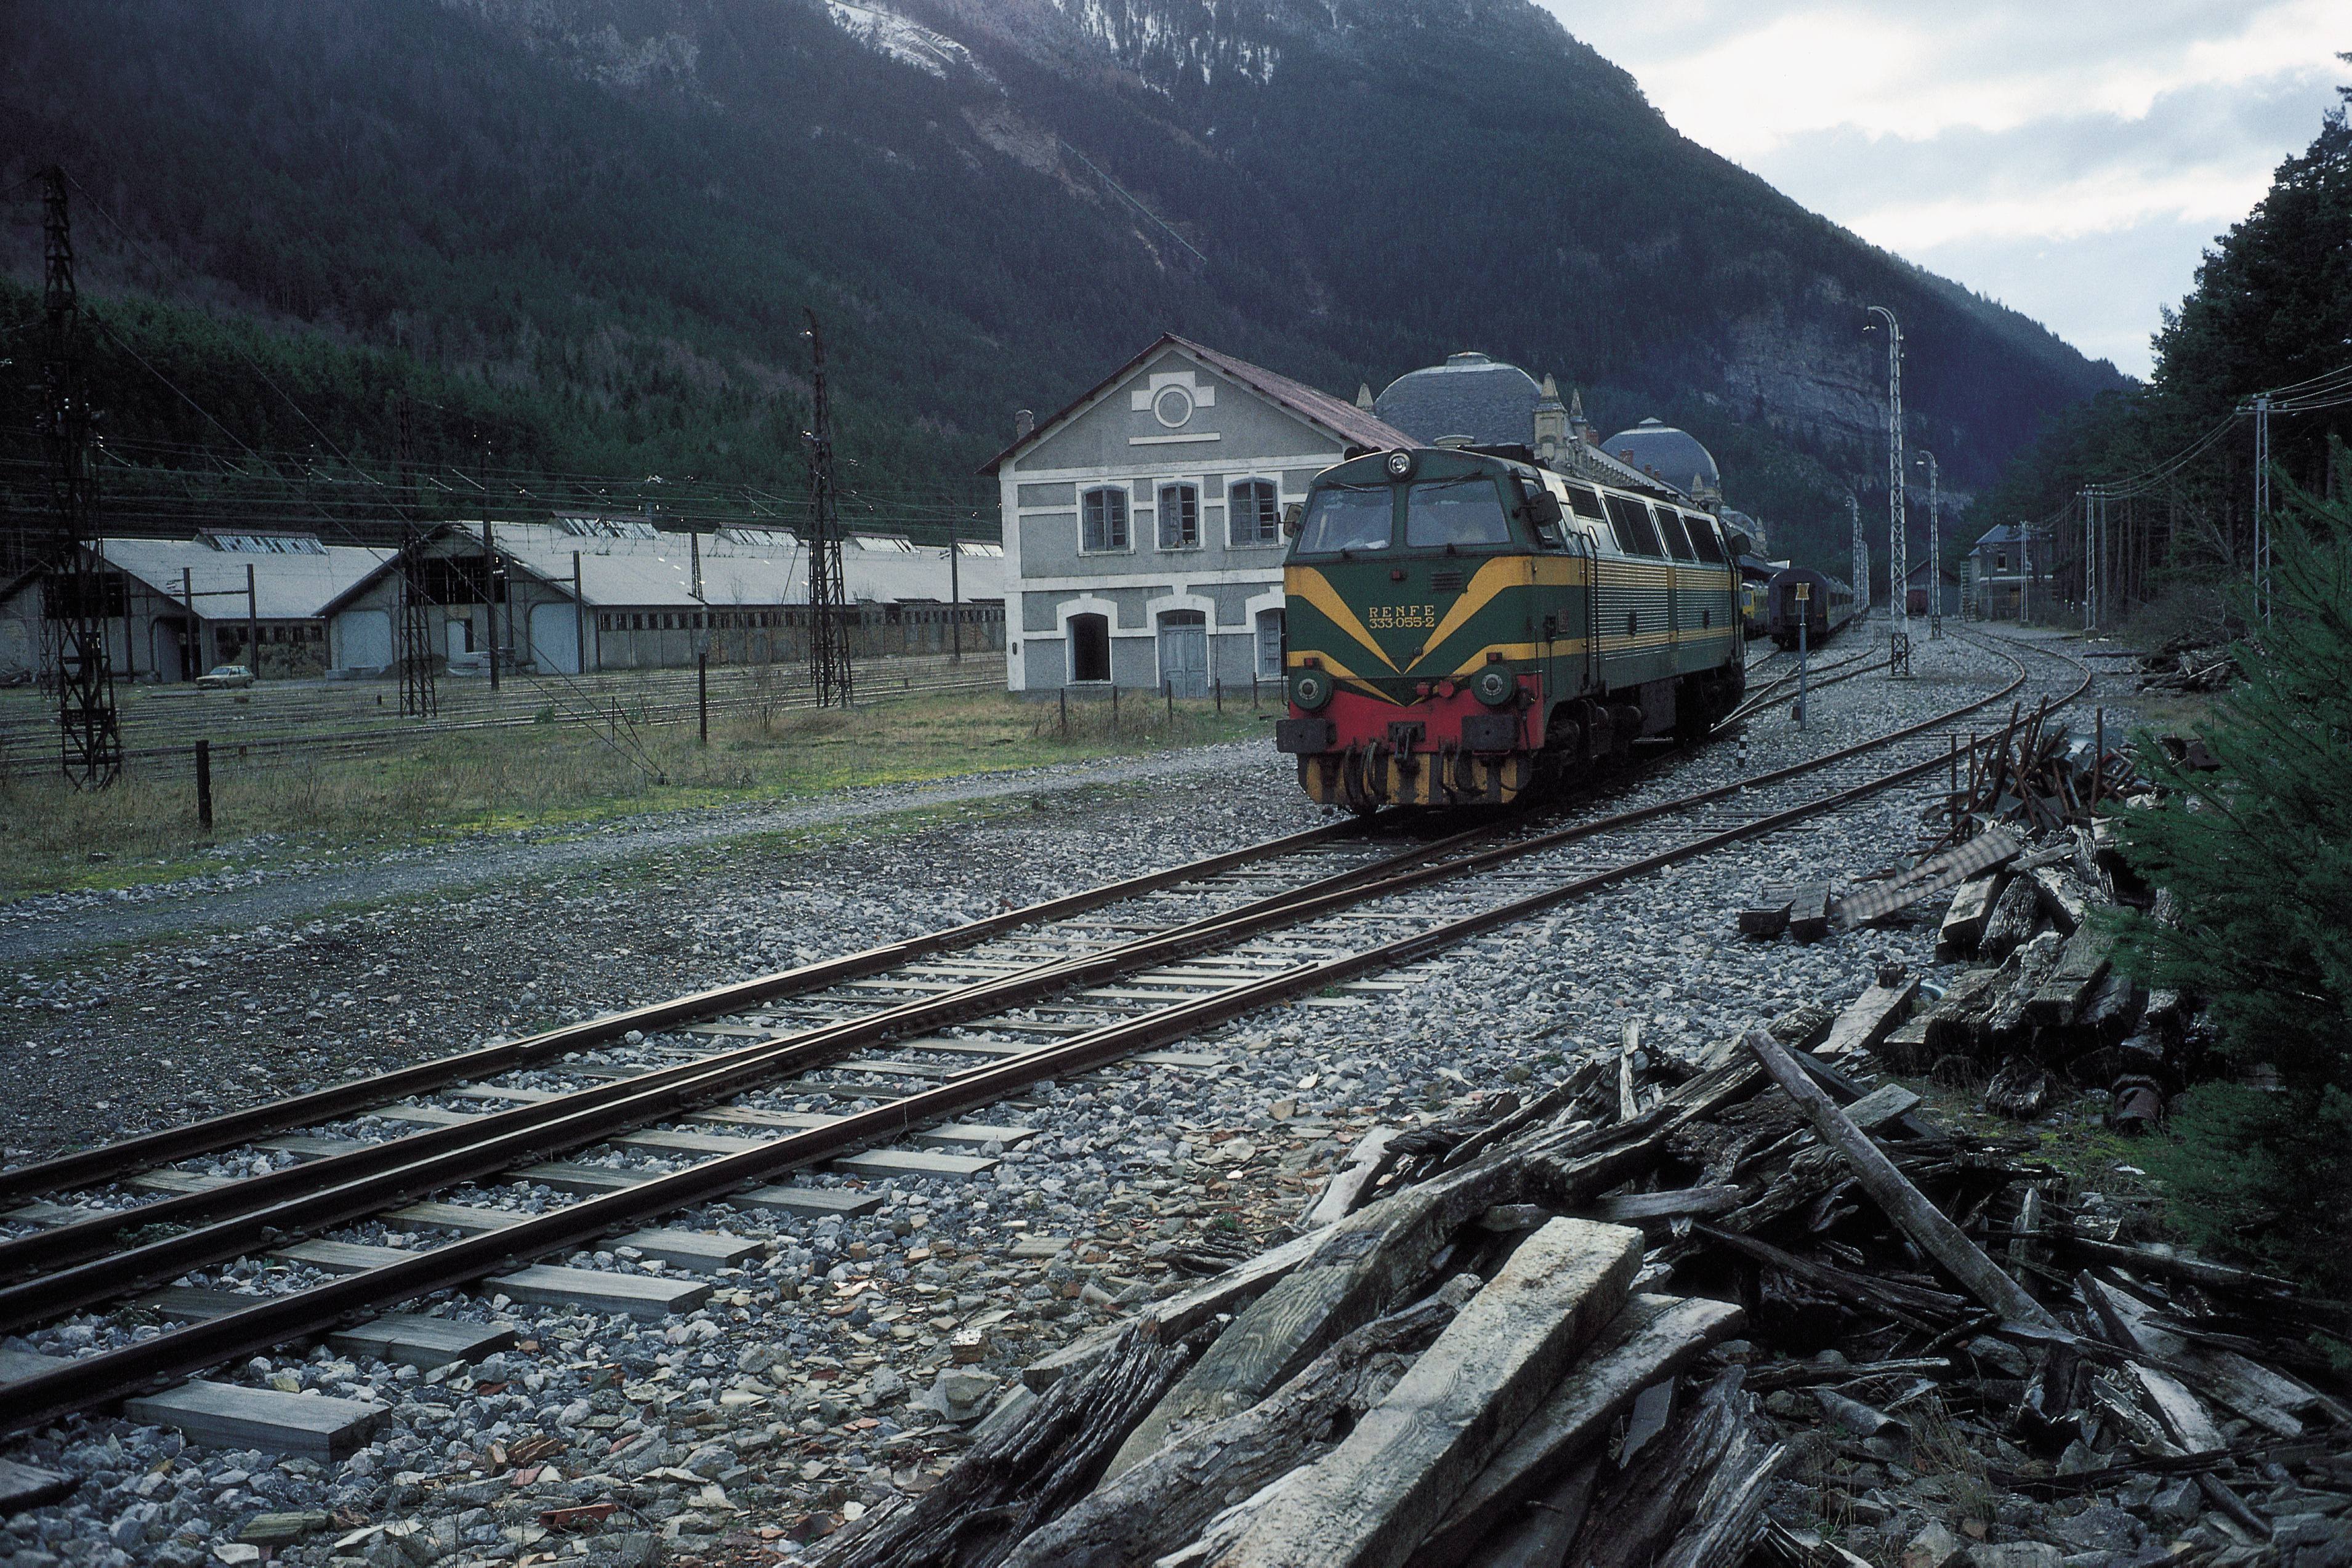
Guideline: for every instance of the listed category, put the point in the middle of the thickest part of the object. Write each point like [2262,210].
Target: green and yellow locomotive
[1464,627]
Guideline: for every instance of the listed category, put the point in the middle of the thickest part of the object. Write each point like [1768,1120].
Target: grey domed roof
[1469,395]
[1674,456]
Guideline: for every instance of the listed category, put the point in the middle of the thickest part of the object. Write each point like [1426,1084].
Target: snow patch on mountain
[1166,41]
[910,43]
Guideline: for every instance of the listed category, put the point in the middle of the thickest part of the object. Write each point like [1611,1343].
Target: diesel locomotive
[1825,607]
[1464,627]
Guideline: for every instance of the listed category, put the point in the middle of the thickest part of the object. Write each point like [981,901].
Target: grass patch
[2091,1156]
[548,776]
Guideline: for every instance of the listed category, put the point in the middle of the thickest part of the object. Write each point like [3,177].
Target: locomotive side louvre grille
[1446,581]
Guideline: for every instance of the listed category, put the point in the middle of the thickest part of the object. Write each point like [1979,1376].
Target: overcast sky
[2069,158]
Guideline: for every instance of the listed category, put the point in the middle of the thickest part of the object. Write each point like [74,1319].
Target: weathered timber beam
[1655,1337]
[1367,1503]
[1903,1203]
[1167,1499]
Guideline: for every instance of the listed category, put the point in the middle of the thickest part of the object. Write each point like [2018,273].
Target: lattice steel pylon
[828,593]
[1860,558]
[75,582]
[420,696]
[1898,563]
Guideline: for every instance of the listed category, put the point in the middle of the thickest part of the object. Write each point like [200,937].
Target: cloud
[2027,149]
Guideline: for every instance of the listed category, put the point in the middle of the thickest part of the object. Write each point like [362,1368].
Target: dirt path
[56,925]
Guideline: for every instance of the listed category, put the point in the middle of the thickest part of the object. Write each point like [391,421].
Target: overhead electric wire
[174,387]
[2342,374]
[233,496]
[2154,474]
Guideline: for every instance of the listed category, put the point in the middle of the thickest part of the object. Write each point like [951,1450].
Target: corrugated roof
[658,573]
[285,587]
[1341,418]
[1337,414]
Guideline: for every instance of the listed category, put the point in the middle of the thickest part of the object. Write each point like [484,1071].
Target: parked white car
[224,677]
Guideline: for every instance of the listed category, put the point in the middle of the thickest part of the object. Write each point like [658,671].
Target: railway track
[1037,994]
[1829,675]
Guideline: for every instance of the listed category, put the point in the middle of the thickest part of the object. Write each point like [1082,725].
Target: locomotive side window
[1586,504]
[1703,540]
[1678,543]
[1630,521]
[1454,512]
[1344,517]
[1104,520]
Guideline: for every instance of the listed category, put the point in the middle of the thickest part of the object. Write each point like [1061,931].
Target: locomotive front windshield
[1438,514]
[1348,518]
[1454,512]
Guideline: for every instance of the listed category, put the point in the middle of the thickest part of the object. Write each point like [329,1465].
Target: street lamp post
[1934,546]
[1898,611]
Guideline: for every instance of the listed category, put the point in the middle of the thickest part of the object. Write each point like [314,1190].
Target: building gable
[1173,413]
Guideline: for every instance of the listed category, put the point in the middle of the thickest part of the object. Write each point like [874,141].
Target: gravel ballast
[850,1359]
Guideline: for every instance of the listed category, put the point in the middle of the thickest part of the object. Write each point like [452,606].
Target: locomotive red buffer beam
[1443,749]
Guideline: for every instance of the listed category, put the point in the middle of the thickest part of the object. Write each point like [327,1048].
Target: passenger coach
[1465,626]
[1799,594]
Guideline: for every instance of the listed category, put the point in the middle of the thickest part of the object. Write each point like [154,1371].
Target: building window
[1180,516]
[1255,512]
[1269,644]
[1089,647]
[1105,520]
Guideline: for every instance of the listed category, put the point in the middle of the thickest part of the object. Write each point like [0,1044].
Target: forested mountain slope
[584,233]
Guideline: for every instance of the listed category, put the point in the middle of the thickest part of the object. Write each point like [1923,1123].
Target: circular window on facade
[1173,406]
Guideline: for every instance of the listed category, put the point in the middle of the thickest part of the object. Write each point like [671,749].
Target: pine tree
[2259,853]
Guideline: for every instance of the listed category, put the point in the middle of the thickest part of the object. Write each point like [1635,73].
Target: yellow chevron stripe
[1508,572]
[1341,673]
[1316,589]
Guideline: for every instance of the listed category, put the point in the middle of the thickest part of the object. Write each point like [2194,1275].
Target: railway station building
[1143,536]
[175,608]
[587,593]
[2006,573]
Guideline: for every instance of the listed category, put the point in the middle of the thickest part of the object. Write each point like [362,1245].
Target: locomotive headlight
[1495,687]
[1309,689]
[1399,464]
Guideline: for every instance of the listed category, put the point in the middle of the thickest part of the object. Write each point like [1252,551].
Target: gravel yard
[849,1359]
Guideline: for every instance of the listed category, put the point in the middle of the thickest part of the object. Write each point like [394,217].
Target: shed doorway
[555,638]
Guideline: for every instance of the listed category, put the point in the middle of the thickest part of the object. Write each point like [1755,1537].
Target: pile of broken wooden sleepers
[2045,1006]
[2187,665]
[2038,774]
[1693,1312]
